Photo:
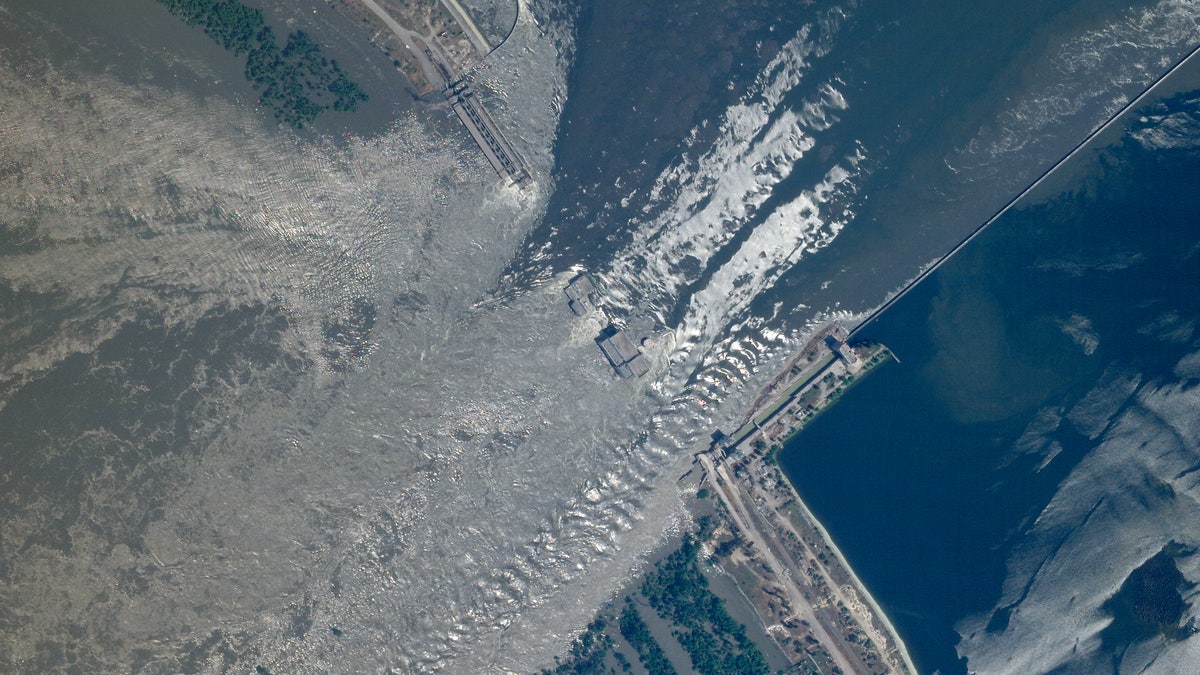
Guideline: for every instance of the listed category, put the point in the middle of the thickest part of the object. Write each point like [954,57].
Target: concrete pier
[486,134]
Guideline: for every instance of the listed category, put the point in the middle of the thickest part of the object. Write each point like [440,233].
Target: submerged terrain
[312,401]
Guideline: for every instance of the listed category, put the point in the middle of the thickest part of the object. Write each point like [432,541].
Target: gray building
[581,295]
[841,349]
[620,351]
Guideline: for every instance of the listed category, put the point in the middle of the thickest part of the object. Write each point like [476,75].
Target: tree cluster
[589,653]
[296,83]
[716,643]
[1149,601]
[637,634]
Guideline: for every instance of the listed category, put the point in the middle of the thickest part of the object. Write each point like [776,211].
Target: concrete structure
[1112,119]
[581,295]
[620,351]
[486,134]
[799,394]
[440,72]
[837,345]
[636,367]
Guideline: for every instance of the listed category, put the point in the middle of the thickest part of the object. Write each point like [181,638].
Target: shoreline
[781,548]
[800,600]
[867,597]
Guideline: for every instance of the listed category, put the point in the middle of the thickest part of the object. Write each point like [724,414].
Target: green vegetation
[297,83]
[679,593]
[588,652]
[716,643]
[726,547]
[635,631]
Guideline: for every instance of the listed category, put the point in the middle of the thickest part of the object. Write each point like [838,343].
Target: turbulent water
[316,403]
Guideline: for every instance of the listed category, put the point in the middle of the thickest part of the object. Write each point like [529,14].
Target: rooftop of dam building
[836,343]
[625,357]
[581,295]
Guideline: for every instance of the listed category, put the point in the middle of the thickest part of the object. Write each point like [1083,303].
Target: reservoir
[962,480]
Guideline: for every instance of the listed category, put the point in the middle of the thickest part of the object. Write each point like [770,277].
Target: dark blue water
[915,472]
[922,81]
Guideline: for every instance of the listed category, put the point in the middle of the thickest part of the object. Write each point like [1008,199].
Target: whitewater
[460,491]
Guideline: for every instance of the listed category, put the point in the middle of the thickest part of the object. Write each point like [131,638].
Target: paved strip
[729,493]
[414,42]
[472,31]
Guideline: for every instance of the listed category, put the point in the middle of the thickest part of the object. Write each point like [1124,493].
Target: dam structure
[814,379]
[581,295]
[623,355]
[625,358]
[1112,119]
[789,569]
[445,73]
[485,133]
[475,117]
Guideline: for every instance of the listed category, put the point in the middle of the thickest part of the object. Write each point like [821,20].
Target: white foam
[1088,75]
[789,233]
[701,204]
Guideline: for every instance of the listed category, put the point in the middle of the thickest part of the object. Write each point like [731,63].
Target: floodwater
[307,401]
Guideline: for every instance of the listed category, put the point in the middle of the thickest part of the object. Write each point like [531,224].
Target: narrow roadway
[468,27]
[865,615]
[731,496]
[414,42]
[1029,188]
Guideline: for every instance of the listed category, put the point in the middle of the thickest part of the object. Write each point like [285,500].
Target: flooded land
[289,382]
